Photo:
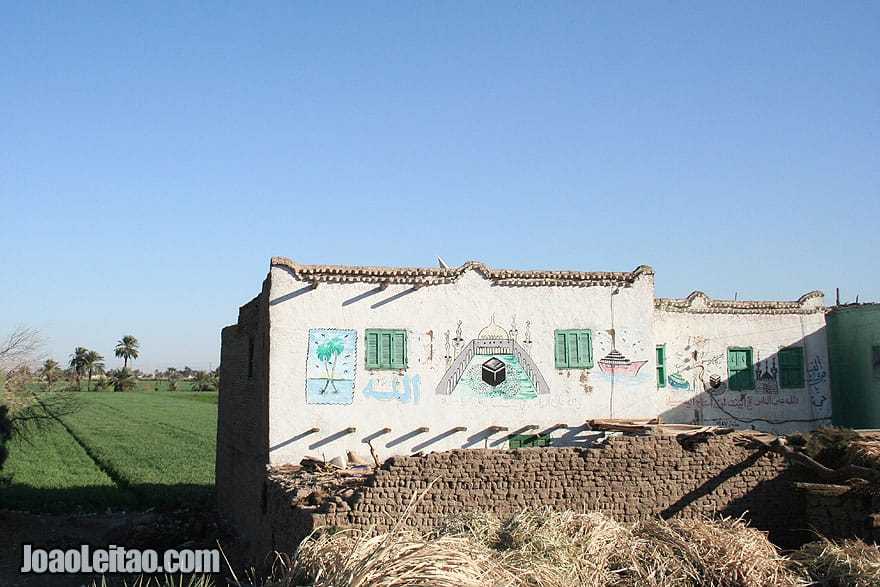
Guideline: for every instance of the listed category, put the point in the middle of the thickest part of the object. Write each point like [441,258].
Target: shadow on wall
[774,504]
[489,437]
[739,387]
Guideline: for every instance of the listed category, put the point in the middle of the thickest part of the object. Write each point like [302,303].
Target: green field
[142,385]
[118,450]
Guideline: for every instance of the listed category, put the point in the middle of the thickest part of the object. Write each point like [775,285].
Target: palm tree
[127,348]
[123,379]
[330,349]
[173,377]
[78,363]
[204,381]
[50,371]
[94,364]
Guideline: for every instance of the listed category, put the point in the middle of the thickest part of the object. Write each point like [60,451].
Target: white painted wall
[696,348]
[427,314]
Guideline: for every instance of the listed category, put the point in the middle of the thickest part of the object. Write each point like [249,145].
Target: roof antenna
[443,264]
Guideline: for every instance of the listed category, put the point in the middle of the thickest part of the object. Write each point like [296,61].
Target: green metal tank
[854,362]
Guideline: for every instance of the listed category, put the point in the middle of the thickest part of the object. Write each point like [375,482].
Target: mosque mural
[330,366]
[765,376]
[494,364]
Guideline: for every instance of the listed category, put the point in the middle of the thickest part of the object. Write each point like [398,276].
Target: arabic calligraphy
[816,376]
[745,402]
[408,393]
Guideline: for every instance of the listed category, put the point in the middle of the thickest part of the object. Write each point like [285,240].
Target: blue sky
[154,156]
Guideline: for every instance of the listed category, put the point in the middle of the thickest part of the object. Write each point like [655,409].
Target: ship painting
[677,381]
[615,363]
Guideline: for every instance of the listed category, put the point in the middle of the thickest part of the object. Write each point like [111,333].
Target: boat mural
[617,364]
[677,381]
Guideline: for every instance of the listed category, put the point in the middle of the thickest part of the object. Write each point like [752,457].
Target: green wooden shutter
[739,369]
[372,352]
[561,353]
[791,368]
[398,349]
[385,350]
[733,369]
[573,349]
[661,366]
[585,348]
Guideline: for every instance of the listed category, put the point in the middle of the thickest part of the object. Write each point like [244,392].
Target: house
[749,364]
[328,360]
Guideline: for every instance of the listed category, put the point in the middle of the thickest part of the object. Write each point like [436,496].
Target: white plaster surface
[427,314]
[696,345]
[696,348]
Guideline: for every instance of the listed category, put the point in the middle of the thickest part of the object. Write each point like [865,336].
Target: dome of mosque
[493,330]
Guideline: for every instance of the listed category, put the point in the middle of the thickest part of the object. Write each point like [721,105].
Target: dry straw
[398,558]
[722,552]
[865,453]
[850,563]
[544,548]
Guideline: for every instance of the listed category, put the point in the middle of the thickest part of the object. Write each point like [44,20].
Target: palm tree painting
[330,366]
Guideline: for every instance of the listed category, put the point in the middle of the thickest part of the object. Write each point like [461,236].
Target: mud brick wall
[838,511]
[242,425]
[630,477]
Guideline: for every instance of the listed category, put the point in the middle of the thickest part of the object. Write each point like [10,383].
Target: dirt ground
[155,529]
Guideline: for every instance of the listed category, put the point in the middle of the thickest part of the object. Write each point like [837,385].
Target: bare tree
[28,407]
[20,349]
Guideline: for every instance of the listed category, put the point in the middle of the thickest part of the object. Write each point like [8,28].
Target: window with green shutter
[740,375]
[385,349]
[791,368]
[574,349]
[661,365]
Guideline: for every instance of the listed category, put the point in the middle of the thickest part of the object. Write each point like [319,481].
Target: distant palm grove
[87,364]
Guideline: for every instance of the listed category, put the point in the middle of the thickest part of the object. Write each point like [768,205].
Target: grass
[163,385]
[55,474]
[152,385]
[135,449]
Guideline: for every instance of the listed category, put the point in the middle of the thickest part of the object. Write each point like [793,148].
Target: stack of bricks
[631,478]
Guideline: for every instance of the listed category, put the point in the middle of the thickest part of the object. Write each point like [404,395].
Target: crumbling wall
[631,477]
[242,424]
[841,511]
